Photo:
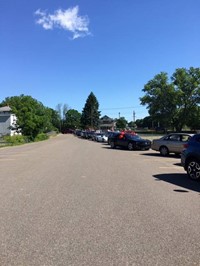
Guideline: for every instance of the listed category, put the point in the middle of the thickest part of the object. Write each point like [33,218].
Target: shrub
[15,140]
[41,136]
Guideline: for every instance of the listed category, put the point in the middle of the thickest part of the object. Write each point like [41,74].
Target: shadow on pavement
[158,155]
[180,180]
[116,149]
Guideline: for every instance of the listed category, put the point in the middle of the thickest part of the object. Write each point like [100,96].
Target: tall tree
[160,98]
[62,110]
[187,86]
[65,109]
[32,116]
[54,118]
[90,114]
[72,119]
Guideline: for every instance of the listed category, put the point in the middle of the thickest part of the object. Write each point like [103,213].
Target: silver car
[171,143]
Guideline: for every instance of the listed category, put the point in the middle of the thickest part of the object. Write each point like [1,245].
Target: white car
[101,137]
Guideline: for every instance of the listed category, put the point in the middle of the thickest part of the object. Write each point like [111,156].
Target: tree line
[33,118]
[172,103]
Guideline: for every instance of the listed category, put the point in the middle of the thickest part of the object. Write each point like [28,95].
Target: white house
[8,122]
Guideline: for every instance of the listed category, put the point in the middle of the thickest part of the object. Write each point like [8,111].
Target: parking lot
[73,200]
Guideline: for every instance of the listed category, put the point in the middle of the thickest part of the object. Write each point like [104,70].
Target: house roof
[105,117]
[5,109]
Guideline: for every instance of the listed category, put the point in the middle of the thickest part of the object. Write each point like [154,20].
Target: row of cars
[92,135]
[184,144]
[124,139]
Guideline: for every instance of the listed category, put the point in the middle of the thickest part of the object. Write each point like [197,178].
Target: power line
[115,108]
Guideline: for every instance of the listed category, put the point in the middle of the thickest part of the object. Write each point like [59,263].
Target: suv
[190,157]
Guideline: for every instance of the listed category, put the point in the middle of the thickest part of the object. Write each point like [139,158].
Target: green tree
[90,114]
[193,119]
[32,116]
[53,119]
[160,98]
[72,119]
[132,125]
[187,86]
[139,123]
[146,122]
[121,123]
[171,104]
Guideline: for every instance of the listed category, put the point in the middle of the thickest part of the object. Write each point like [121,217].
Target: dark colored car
[190,157]
[130,142]
[90,134]
[111,134]
[78,132]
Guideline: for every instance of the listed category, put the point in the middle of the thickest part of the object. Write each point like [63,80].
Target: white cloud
[66,19]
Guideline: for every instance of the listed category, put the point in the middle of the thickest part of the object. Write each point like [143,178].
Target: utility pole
[133,116]
[119,114]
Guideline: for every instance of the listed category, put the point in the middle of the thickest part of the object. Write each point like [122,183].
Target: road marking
[166,167]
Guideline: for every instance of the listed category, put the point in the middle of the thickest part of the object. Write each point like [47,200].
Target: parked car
[90,134]
[67,131]
[130,142]
[77,132]
[110,135]
[171,143]
[84,134]
[94,136]
[190,157]
[101,137]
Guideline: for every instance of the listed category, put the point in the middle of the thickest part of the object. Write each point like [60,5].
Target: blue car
[190,157]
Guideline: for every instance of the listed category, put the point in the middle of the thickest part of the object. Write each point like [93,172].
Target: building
[8,122]
[107,123]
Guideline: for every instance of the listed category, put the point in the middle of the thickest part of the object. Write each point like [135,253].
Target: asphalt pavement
[70,201]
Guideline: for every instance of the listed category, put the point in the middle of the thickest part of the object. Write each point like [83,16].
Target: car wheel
[164,151]
[112,144]
[193,169]
[130,146]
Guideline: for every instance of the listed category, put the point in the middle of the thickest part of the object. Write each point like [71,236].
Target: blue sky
[58,51]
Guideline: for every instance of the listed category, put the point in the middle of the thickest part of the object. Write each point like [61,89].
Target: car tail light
[185,146]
